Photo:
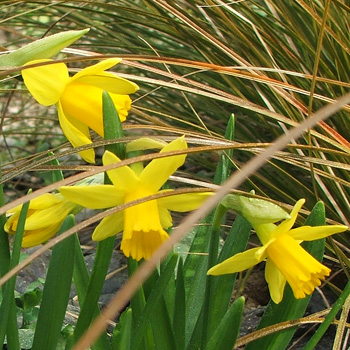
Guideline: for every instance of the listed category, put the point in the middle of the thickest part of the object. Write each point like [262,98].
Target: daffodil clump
[144,224]
[46,214]
[79,98]
[286,260]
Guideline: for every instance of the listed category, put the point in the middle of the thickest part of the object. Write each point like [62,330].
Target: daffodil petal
[53,215]
[110,82]
[158,171]
[237,263]
[11,224]
[286,225]
[44,201]
[84,103]
[275,280]
[184,202]
[97,68]
[93,197]
[123,178]
[308,233]
[109,226]
[144,143]
[165,218]
[46,83]
[35,237]
[77,134]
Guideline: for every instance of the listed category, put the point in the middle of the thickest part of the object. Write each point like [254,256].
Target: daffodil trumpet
[286,260]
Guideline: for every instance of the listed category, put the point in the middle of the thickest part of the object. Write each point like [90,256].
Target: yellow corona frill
[79,98]
[286,260]
[142,224]
[46,214]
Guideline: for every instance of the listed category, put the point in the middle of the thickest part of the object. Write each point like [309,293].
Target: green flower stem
[212,260]
[7,308]
[81,282]
[103,256]
[57,288]
[138,303]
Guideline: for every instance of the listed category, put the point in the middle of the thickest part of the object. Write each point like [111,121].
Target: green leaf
[223,285]
[138,303]
[8,319]
[56,292]
[112,126]
[196,265]
[224,167]
[179,319]
[42,48]
[56,175]
[81,281]
[195,270]
[99,271]
[152,306]
[122,333]
[162,327]
[290,308]
[12,333]
[226,333]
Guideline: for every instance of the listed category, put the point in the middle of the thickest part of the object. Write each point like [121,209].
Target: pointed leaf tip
[42,48]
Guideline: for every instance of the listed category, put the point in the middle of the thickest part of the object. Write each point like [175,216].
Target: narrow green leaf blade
[56,292]
[112,126]
[7,308]
[195,266]
[121,339]
[223,285]
[81,281]
[99,271]
[179,320]
[226,333]
[153,303]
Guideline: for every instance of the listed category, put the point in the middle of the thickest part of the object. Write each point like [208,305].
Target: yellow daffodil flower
[142,224]
[286,260]
[79,98]
[46,214]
